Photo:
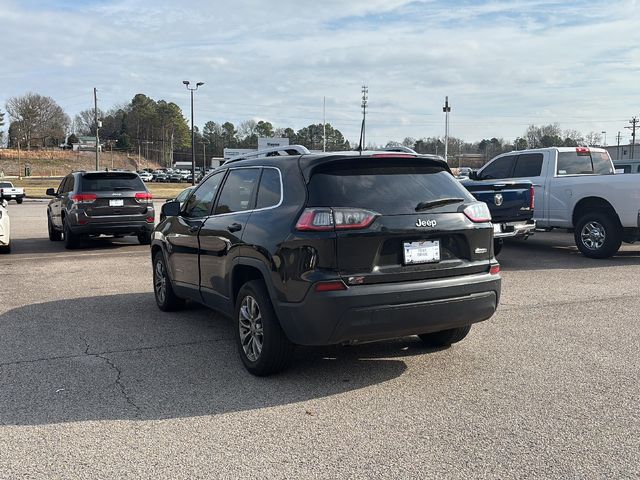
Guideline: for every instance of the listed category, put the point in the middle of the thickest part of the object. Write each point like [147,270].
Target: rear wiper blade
[437,203]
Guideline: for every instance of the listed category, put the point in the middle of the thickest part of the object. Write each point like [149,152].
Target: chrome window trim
[255,209]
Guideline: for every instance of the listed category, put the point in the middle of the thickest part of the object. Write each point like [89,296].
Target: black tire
[166,298]
[497,246]
[18,200]
[144,238]
[598,234]
[5,249]
[277,350]
[54,235]
[70,239]
[445,338]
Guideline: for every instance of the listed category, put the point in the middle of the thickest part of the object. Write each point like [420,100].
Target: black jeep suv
[94,203]
[329,248]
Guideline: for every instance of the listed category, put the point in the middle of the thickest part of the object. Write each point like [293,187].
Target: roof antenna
[365,98]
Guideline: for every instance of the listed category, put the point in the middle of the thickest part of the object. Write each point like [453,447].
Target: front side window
[499,168]
[238,190]
[201,201]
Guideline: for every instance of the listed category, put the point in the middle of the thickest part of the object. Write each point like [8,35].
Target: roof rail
[400,148]
[272,152]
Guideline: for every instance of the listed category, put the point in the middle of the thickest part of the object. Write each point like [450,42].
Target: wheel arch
[590,204]
[245,270]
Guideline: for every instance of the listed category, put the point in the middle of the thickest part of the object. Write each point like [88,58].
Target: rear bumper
[383,311]
[12,196]
[82,224]
[515,229]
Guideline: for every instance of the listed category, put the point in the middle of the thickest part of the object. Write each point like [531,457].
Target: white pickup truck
[9,192]
[576,189]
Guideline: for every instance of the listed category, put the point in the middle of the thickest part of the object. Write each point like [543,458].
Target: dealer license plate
[497,228]
[118,202]
[425,251]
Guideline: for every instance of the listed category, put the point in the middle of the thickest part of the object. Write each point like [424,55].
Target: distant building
[263,143]
[623,152]
[86,144]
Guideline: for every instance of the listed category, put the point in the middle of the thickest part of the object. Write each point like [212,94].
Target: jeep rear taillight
[144,197]
[478,212]
[83,198]
[322,219]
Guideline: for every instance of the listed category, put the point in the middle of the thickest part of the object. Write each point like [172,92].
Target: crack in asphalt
[118,381]
[107,352]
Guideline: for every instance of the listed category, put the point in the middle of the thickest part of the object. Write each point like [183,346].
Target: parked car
[159,176]
[511,204]
[5,228]
[329,248]
[145,176]
[576,189]
[9,192]
[175,176]
[100,203]
[627,166]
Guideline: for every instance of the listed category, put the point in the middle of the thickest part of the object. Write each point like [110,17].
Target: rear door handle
[234,227]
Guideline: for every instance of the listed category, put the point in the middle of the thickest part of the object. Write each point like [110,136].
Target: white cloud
[504,64]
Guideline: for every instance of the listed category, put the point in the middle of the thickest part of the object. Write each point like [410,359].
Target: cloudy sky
[503,64]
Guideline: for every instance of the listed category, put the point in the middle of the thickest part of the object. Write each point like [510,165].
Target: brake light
[319,219]
[478,212]
[83,197]
[495,269]
[393,155]
[531,198]
[144,197]
[332,286]
[582,150]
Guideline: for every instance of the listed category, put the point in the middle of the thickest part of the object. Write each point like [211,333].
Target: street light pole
[193,136]
[605,137]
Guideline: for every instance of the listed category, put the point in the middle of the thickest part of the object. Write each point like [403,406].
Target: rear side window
[580,163]
[388,188]
[237,192]
[499,168]
[528,165]
[111,181]
[5,185]
[269,191]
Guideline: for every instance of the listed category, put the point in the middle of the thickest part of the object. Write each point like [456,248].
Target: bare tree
[592,139]
[85,122]
[38,119]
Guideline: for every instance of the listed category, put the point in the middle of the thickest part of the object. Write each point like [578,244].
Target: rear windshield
[109,181]
[574,163]
[5,185]
[388,188]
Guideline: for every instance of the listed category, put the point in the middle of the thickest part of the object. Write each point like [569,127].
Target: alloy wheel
[593,235]
[160,281]
[251,328]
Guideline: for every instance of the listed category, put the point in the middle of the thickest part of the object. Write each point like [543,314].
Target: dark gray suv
[100,203]
[328,248]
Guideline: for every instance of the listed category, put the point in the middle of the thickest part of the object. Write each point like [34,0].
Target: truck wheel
[263,346]
[70,239]
[497,247]
[166,298]
[18,200]
[598,234]
[54,235]
[445,338]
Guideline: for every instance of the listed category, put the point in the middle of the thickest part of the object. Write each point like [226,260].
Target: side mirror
[171,209]
[473,175]
[169,200]
[51,192]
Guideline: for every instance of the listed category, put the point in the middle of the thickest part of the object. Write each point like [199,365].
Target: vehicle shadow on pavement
[545,251]
[119,358]
[44,245]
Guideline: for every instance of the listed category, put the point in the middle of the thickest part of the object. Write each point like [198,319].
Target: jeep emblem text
[426,223]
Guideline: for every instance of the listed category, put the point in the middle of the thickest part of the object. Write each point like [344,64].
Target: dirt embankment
[56,163]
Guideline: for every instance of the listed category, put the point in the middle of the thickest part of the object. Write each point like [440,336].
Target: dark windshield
[5,185]
[109,181]
[387,188]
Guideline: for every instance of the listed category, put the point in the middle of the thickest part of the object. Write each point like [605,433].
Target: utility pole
[204,156]
[605,137]
[618,137]
[446,109]
[95,104]
[365,102]
[324,124]
[634,125]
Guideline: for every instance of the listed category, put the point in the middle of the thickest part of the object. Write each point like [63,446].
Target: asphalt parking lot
[96,382]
